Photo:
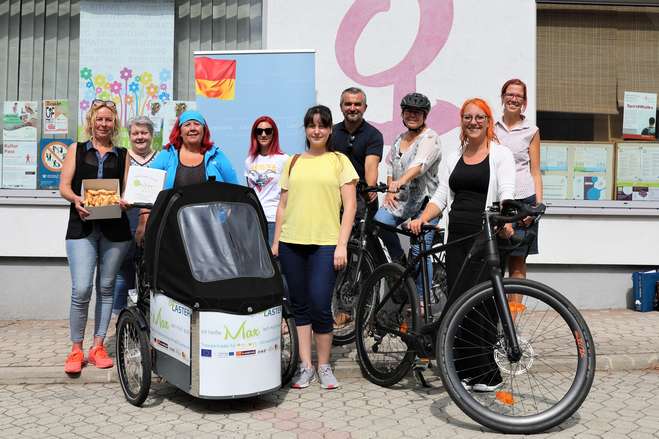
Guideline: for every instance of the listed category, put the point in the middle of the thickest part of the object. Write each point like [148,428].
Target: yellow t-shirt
[312,214]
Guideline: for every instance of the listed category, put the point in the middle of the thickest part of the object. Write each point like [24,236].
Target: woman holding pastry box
[98,245]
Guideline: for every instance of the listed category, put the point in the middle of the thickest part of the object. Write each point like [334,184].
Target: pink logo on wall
[436,19]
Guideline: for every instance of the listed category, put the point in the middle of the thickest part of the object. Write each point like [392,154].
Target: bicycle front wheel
[386,312]
[541,390]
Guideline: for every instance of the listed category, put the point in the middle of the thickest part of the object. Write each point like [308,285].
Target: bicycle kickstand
[420,365]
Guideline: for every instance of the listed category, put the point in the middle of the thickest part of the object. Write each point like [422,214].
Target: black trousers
[475,341]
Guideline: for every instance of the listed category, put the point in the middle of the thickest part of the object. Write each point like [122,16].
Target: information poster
[577,171]
[51,159]
[637,172]
[639,118]
[279,84]
[19,165]
[20,119]
[55,117]
[244,346]
[164,117]
[170,327]
[131,62]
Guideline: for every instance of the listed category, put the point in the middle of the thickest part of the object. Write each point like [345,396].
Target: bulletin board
[637,171]
[577,170]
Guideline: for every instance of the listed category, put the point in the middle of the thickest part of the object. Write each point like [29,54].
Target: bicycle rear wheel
[540,391]
[346,294]
[386,311]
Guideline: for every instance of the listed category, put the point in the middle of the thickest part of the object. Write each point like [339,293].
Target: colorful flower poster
[55,117]
[19,165]
[51,160]
[20,121]
[131,65]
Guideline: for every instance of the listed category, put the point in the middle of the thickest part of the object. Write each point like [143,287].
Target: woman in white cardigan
[469,181]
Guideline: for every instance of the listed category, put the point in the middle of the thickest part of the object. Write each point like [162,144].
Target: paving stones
[358,410]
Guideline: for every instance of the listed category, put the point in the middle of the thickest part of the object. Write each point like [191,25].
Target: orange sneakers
[74,362]
[99,357]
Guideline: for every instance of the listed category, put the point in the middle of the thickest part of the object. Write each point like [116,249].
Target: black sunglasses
[351,141]
[262,131]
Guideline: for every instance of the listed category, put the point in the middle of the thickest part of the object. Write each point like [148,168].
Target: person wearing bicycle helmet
[470,180]
[412,166]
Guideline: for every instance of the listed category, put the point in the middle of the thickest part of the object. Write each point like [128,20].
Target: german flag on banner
[215,78]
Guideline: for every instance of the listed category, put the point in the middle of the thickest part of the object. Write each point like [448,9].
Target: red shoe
[74,362]
[99,357]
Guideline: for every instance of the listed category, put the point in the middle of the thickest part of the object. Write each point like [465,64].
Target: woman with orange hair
[470,180]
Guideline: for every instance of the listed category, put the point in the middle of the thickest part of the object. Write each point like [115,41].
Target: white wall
[33,230]
[486,43]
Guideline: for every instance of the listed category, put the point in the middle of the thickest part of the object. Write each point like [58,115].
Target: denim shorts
[531,248]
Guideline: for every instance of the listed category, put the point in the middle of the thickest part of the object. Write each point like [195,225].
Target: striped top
[518,139]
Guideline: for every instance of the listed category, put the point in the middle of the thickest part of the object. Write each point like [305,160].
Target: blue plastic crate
[645,290]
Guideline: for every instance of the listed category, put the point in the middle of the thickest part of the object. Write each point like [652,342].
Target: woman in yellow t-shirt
[311,242]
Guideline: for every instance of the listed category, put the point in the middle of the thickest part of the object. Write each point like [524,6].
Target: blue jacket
[217,165]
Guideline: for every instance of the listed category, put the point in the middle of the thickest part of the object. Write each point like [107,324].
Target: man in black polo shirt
[360,141]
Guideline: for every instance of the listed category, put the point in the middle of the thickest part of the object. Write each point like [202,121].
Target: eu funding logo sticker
[206,353]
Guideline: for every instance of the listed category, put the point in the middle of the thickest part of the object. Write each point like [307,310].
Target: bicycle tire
[375,331]
[558,356]
[290,355]
[133,359]
[346,293]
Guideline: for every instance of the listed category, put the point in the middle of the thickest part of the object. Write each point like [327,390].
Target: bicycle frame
[492,260]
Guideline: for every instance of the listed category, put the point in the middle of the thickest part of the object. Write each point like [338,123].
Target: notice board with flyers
[637,171]
[577,170]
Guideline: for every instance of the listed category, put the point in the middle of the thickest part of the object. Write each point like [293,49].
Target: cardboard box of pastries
[100,197]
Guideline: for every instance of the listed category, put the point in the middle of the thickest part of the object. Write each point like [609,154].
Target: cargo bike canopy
[206,247]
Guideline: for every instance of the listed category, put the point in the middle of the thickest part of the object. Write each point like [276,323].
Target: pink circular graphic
[436,19]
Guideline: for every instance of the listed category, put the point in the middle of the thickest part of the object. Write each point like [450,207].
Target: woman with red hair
[190,157]
[470,180]
[523,139]
[263,167]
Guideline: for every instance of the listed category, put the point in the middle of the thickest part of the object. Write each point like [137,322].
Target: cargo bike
[208,313]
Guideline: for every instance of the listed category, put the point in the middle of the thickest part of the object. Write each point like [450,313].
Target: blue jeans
[309,272]
[392,242]
[271,232]
[84,255]
[125,280]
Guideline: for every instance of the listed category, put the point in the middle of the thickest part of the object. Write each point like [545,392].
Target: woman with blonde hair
[93,245]
[470,180]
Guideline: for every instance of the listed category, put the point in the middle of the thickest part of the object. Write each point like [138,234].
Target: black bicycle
[365,253]
[513,354]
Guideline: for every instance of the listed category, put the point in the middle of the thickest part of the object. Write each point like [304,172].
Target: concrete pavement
[33,352]
[620,405]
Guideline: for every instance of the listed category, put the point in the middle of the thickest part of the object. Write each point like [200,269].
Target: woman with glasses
[140,134]
[311,239]
[93,245]
[412,166]
[470,180]
[190,157]
[263,166]
[517,133]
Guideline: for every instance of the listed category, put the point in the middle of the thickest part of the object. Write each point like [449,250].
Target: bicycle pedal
[422,363]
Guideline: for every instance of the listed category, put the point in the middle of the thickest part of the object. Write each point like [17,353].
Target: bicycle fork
[493,260]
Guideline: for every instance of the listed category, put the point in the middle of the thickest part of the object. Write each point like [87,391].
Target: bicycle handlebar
[523,210]
[380,187]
